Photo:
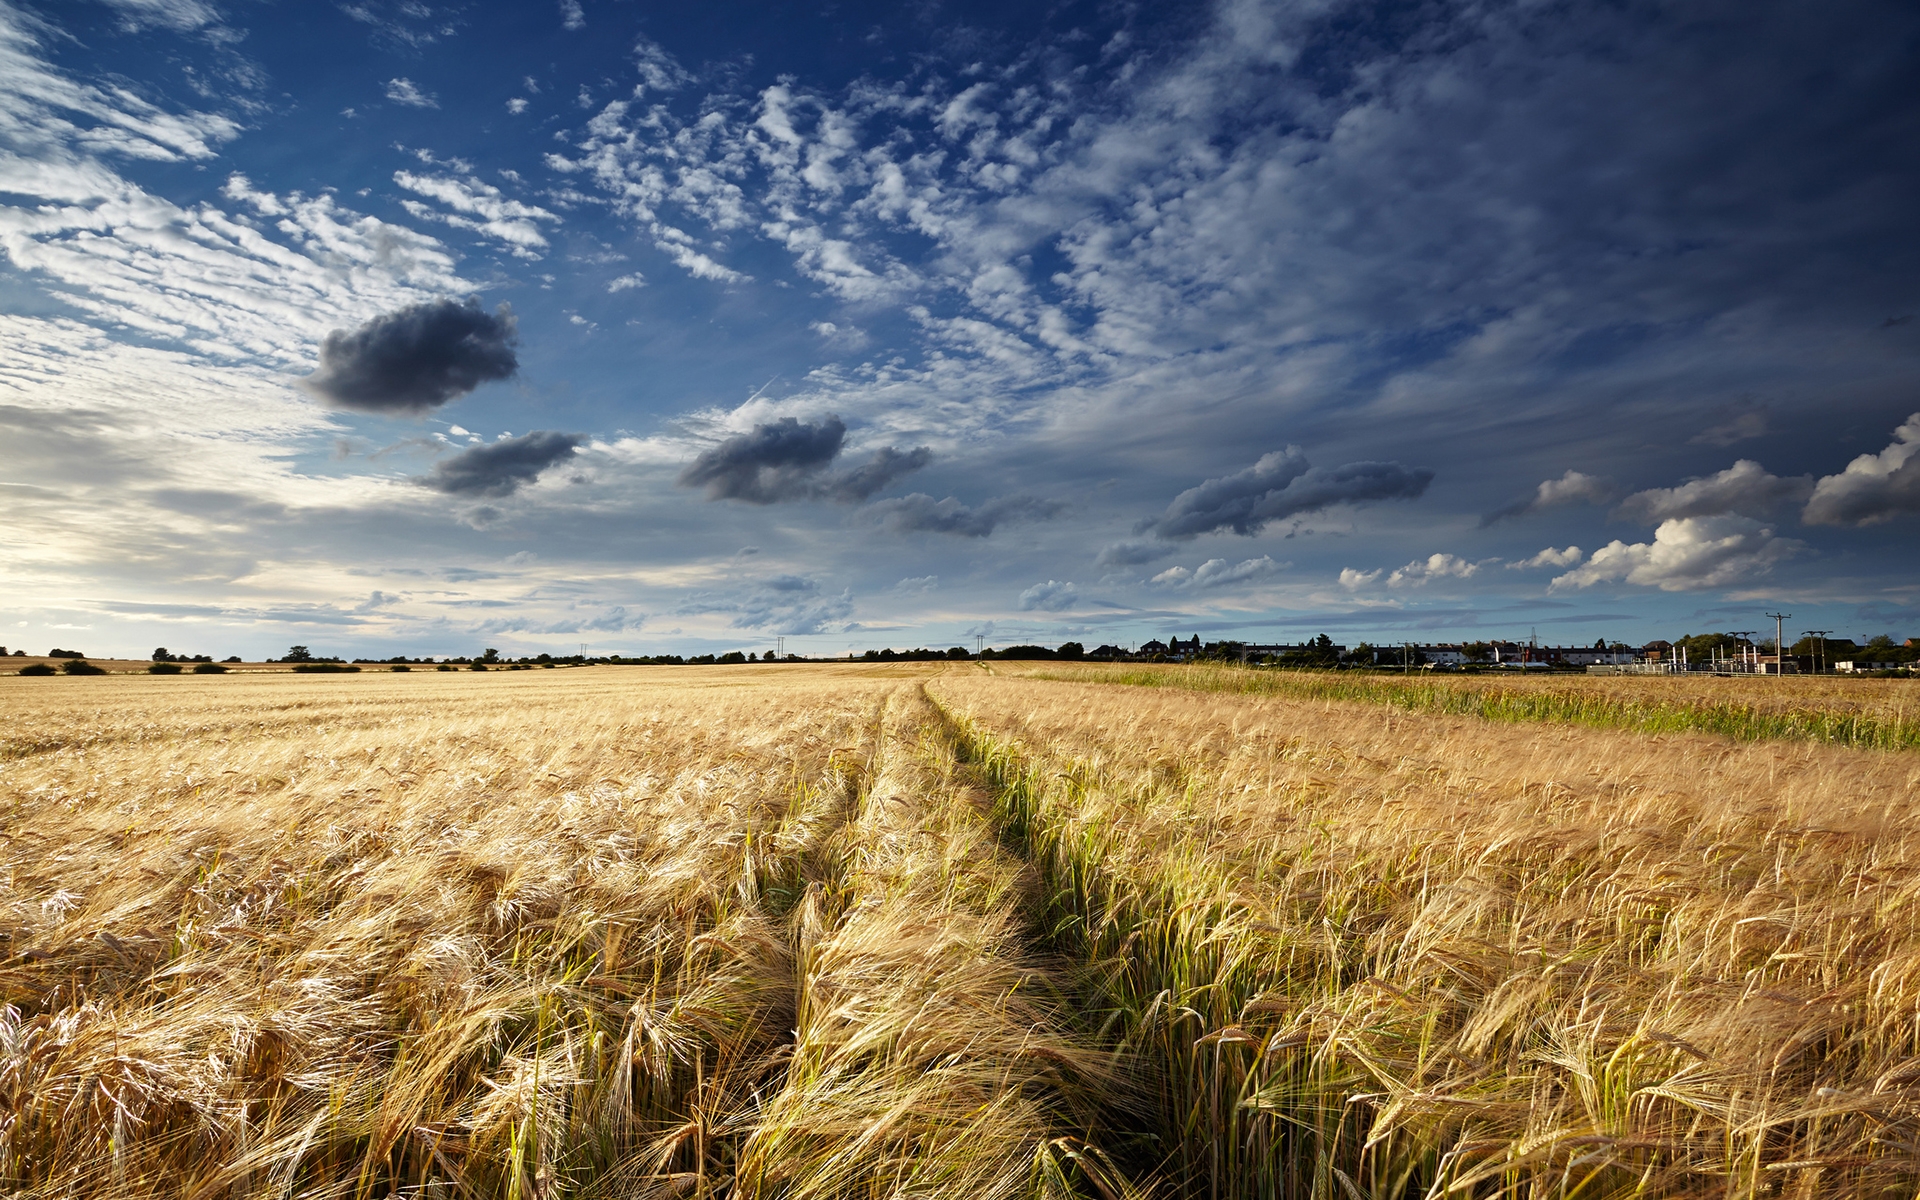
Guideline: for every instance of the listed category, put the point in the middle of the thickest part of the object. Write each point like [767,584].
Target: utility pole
[1820,655]
[979,643]
[583,652]
[1779,643]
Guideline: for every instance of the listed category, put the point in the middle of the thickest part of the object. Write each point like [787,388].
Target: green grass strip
[1572,706]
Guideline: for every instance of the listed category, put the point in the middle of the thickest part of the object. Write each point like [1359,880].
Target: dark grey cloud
[921,513]
[1132,553]
[1745,488]
[788,459]
[500,468]
[1874,487]
[1282,484]
[1574,487]
[876,474]
[414,360]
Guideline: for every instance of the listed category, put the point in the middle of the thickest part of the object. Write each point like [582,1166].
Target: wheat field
[936,931]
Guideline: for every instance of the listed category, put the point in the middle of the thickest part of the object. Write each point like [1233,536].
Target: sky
[417,328]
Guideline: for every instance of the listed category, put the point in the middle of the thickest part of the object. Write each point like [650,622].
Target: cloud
[182,15]
[480,207]
[785,604]
[415,360]
[615,619]
[1571,488]
[403,91]
[1131,553]
[500,468]
[1687,554]
[1549,558]
[787,459]
[1740,425]
[1745,488]
[1874,487]
[658,69]
[517,105]
[1216,572]
[1434,566]
[572,16]
[875,475]
[1051,596]
[776,461]
[626,283]
[1353,580]
[1282,484]
[918,512]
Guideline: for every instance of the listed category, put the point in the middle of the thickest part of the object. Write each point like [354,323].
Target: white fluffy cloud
[1051,596]
[1217,572]
[1744,488]
[404,91]
[479,207]
[1549,558]
[1573,487]
[1874,487]
[1687,554]
[1434,566]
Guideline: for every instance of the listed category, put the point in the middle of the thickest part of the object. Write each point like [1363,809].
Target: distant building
[1590,656]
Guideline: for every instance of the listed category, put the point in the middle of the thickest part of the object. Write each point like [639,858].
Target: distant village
[1708,653]
[1719,653]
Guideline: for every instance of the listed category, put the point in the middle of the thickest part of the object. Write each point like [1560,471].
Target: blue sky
[415,328]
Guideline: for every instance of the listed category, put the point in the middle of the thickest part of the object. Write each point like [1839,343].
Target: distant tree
[298,654]
[1070,650]
[1834,648]
[80,666]
[732,656]
[1885,649]
[160,654]
[490,655]
[37,669]
[1026,652]
[958,652]
[1704,647]
[1477,651]
[231,658]
[57,652]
